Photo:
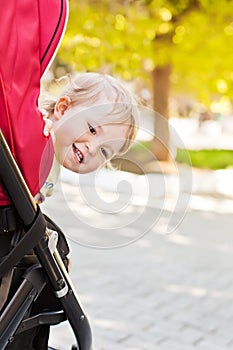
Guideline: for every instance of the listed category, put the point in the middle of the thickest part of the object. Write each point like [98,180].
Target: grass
[207,158]
[213,159]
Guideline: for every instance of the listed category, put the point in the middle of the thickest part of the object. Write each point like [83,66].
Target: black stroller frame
[50,270]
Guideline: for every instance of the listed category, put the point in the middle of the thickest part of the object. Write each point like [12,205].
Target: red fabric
[30,32]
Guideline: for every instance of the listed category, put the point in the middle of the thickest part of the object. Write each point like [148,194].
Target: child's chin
[83,170]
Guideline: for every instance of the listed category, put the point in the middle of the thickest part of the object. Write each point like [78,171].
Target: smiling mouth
[78,154]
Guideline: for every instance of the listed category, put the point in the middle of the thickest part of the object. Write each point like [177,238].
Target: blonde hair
[86,89]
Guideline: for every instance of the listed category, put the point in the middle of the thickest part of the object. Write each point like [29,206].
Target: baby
[94,118]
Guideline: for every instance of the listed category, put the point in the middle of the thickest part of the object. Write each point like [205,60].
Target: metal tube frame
[51,262]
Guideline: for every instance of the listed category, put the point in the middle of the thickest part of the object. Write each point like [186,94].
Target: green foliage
[208,158]
[132,38]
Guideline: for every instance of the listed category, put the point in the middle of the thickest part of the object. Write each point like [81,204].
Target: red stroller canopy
[30,32]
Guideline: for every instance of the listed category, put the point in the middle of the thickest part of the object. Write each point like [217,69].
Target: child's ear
[61,106]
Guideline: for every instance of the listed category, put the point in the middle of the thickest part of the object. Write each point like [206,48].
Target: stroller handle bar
[27,209]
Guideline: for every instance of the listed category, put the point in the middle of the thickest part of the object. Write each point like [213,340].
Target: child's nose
[91,147]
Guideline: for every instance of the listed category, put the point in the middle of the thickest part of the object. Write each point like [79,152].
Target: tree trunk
[161,87]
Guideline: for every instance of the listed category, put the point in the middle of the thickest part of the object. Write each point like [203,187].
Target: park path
[159,291]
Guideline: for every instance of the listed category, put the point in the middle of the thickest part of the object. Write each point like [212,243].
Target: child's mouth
[78,154]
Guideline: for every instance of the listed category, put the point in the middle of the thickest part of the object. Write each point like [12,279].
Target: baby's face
[86,138]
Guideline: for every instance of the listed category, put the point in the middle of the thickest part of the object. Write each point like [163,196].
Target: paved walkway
[156,290]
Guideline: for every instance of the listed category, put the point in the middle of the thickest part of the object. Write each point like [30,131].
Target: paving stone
[161,293]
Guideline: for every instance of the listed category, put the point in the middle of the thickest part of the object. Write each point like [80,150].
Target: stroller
[30,33]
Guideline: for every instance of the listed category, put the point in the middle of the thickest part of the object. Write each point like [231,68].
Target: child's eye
[104,152]
[92,130]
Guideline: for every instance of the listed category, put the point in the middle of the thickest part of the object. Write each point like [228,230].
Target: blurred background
[175,55]
[170,286]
